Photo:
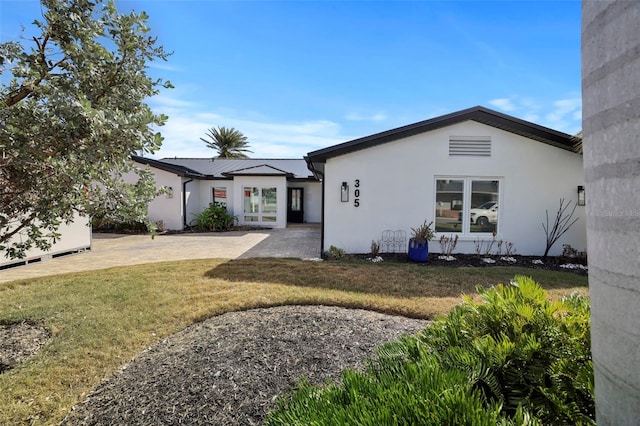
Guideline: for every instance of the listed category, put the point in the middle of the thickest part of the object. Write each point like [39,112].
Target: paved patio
[108,250]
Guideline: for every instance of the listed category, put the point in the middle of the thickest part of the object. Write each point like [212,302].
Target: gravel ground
[229,369]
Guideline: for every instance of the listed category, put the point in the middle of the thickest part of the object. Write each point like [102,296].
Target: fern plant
[513,358]
[521,350]
[214,218]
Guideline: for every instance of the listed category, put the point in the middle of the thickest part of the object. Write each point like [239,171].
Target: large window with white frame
[467,205]
[260,204]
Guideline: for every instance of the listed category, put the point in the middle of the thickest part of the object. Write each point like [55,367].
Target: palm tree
[229,143]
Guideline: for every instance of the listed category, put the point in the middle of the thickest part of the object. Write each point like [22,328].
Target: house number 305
[356,193]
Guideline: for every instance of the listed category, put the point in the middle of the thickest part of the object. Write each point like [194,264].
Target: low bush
[121,227]
[214,218]
[514,357]
[335,253]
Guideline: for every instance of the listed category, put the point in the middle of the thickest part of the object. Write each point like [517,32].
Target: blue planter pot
[418,250]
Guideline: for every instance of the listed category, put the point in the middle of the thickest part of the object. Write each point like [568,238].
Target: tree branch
[27,89]
[23,223]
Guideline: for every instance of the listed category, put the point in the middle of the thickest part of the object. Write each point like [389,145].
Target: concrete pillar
[611,130]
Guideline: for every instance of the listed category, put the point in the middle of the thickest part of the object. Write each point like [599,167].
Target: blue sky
[297,76]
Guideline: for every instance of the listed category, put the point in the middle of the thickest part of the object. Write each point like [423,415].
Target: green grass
[101,319]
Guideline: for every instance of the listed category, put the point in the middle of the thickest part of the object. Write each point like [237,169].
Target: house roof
[168,167]
[316,159]
[226,168]
[261,170]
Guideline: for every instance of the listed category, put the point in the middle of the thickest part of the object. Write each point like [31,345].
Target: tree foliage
[228,142]
[72,111]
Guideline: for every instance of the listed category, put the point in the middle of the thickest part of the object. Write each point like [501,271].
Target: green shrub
[401,394]
[214,218]
[513,358]
[122,227]
[520,349]
[336,253]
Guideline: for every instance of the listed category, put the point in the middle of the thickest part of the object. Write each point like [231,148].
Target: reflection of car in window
[484,214]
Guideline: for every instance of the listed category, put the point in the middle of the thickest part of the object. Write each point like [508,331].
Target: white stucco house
[258,192]
[472,172]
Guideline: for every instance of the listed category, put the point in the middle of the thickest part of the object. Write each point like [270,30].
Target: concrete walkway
[108,250]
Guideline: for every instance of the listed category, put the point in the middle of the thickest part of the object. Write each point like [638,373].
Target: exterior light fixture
[344,192]
[581,196]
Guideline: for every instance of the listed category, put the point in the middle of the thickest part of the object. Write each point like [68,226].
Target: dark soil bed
[229,369]
[471,260]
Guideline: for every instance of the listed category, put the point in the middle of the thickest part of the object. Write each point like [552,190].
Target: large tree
[72,111]
[229,143]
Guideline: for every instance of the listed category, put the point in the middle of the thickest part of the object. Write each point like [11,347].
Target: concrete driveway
[108,250]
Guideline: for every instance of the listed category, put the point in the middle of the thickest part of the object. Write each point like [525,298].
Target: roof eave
[177,170]
[479,114]
[317,168]
[232,174]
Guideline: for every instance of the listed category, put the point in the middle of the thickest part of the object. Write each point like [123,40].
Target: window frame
[467,190]
[226,195]
[271,217]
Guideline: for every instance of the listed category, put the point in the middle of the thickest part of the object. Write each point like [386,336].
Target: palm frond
[228,142]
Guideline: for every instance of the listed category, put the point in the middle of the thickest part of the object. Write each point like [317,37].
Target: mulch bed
[229,369]
[552,263]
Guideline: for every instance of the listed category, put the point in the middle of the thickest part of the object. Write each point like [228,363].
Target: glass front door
[295,204]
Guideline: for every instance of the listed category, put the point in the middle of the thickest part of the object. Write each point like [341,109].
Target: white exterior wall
[192,190]
[312,195]
[75,236]
[206,193]
[167,208]
[312,200]
[278,182]
[397,188]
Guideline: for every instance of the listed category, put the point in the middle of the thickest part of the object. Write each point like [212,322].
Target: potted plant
[419,243]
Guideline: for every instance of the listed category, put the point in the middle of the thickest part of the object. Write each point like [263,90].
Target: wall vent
[469,146]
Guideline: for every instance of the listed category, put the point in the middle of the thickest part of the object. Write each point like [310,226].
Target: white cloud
[355,116]
[563,114]
[564,107]
[503,104]
[165,103]
[164,66]
[267,139]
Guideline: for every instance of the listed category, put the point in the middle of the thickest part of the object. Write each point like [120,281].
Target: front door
[295,205]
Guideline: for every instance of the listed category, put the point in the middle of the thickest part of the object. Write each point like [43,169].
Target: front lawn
[100,320]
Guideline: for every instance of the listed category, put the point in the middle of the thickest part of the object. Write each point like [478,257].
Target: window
[260,204]
[220,196]
[467,205]
[296,199]
[484,206]
[449,203]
